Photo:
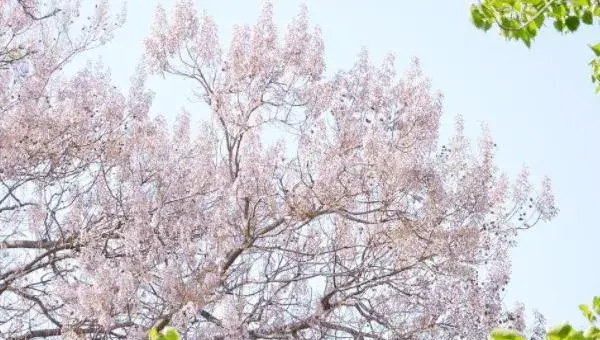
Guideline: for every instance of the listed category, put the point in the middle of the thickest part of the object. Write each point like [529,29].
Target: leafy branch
[523,19]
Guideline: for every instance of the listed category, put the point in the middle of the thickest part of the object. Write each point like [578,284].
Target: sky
[539,104]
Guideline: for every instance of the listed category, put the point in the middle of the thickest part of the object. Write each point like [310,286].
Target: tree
[522,20]
[358,225]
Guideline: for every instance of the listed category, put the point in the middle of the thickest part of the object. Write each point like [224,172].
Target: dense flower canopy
[358,224]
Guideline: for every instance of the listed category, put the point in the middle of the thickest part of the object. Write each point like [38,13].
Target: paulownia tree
[359,224]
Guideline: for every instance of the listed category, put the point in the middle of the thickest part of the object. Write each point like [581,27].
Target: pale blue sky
[538,103]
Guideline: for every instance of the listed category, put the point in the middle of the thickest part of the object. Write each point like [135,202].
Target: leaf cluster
[522,20]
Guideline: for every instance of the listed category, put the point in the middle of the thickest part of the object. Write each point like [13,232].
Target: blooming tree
[360,225]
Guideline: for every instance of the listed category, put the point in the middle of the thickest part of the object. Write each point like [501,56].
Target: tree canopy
[361,223]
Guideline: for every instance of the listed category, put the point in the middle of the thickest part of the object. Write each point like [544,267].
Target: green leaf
[582,3]
[153,334]
[593,332]
[508,23]
[559,10]
[577,336]
[532,28]
[587,17]
[559,25]
[580,336]
[560,332]
[596,302]
[595,70]
[572,23]
[587,312]
[170,333]
[477,17]
[505,334]
[539,20]
[517,6]
[526,40]
[596,49]
[487,24]
[486,11]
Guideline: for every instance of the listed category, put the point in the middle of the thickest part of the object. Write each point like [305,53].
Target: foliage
[564,331]
[361,223]
[523,19]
